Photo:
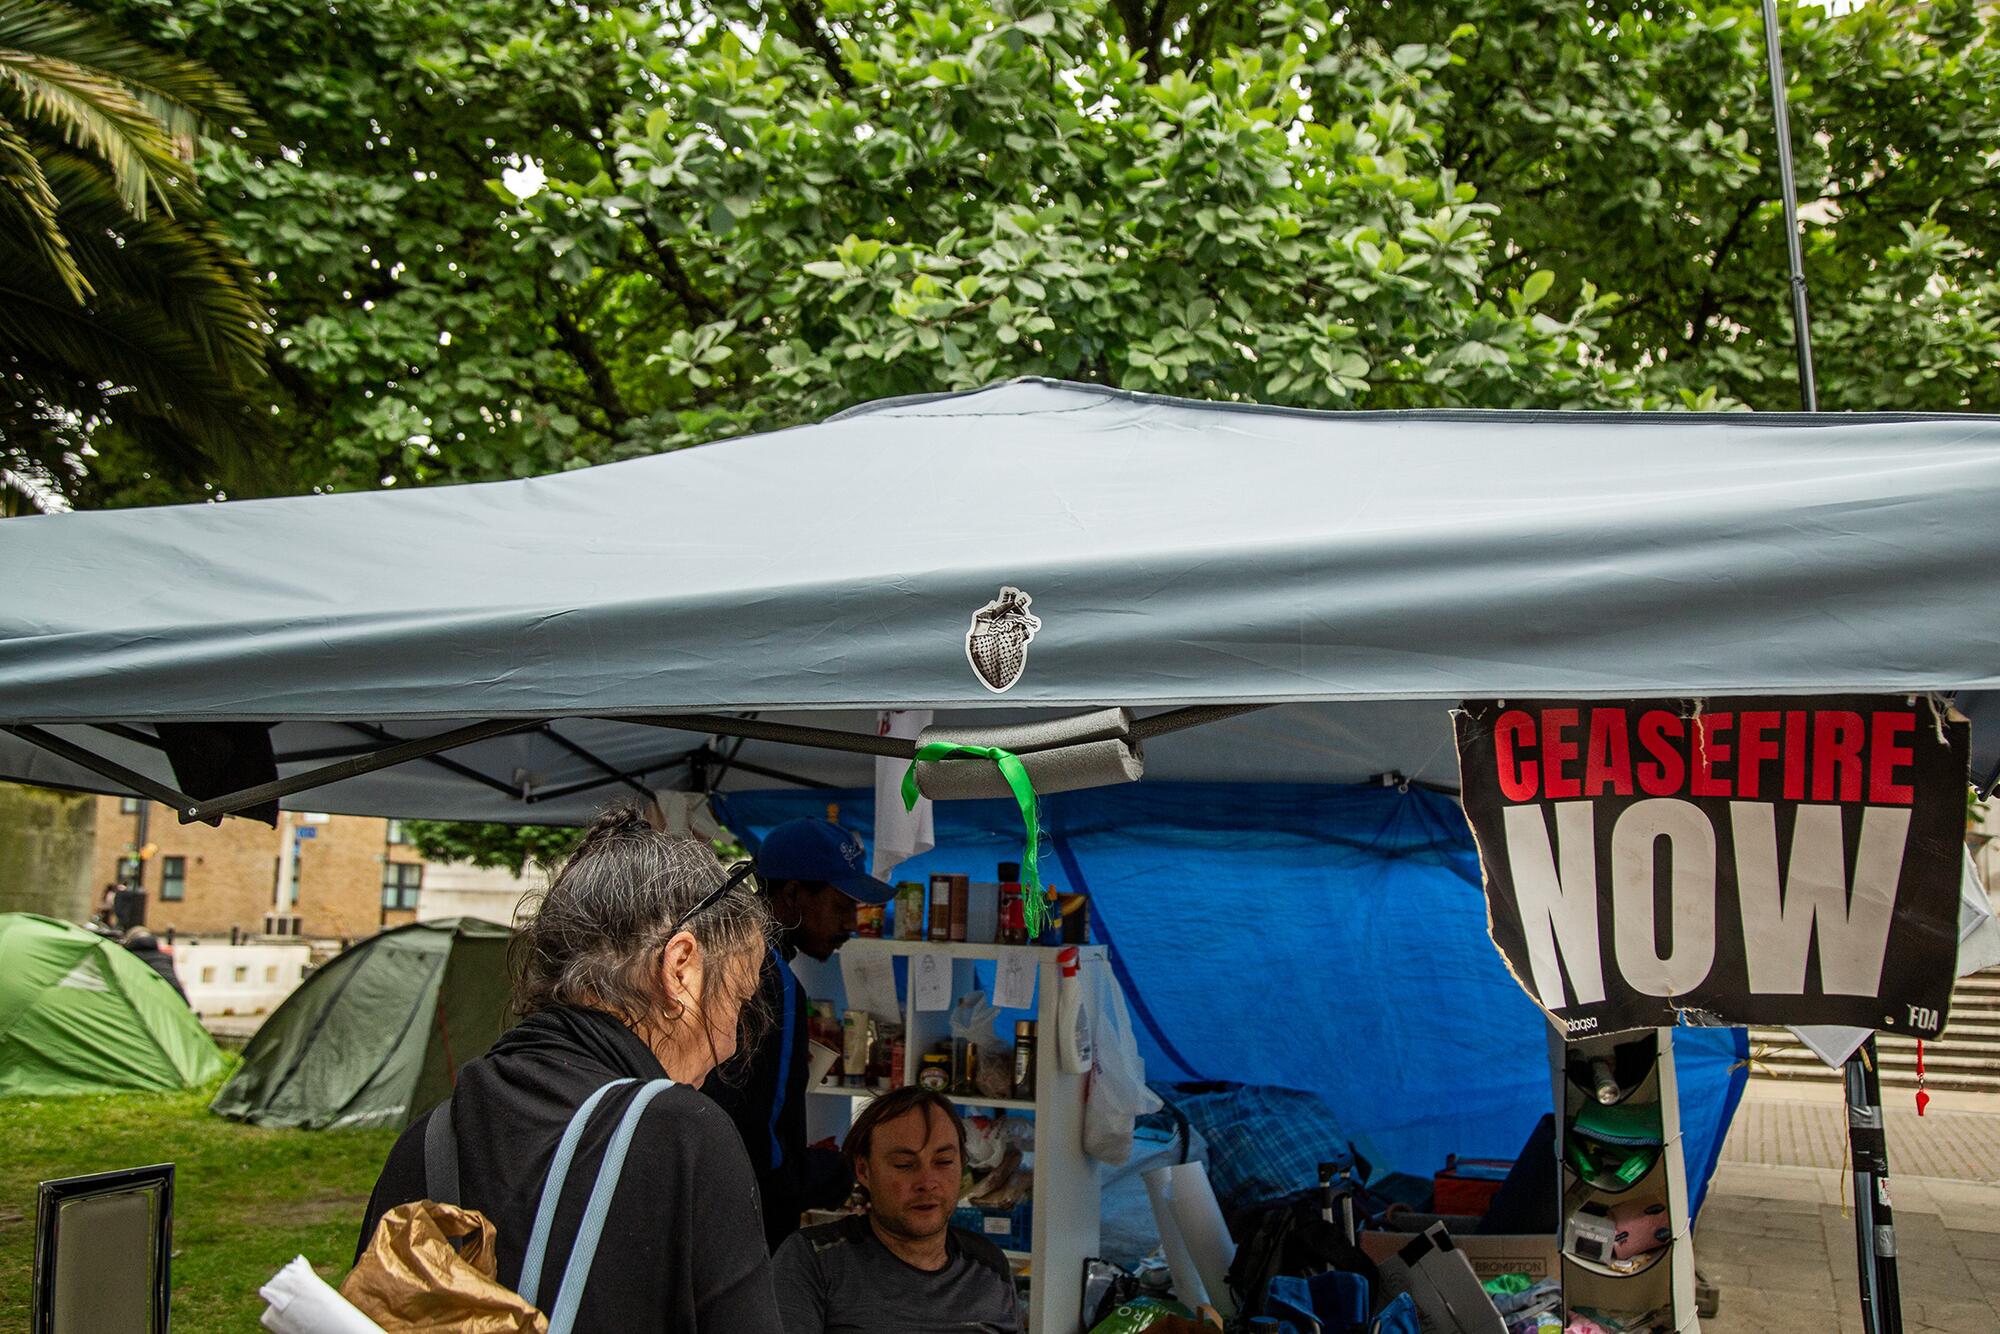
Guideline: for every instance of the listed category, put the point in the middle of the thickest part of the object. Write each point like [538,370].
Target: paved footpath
[1776,1235]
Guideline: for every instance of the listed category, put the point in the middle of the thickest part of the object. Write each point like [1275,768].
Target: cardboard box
[1535,1255]
[1439,1278]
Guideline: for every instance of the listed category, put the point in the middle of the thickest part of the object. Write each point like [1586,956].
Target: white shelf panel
[956,949]
[962,1099]
[1002,1104]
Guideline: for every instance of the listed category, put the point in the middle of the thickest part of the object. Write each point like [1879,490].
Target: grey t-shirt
[839,1278]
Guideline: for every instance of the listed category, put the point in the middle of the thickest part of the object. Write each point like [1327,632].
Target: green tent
[80,1014]
[376,1037]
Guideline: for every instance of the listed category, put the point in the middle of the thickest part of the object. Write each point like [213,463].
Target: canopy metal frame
[431,749]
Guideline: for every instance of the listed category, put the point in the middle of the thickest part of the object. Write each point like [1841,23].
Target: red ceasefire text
[1789,755]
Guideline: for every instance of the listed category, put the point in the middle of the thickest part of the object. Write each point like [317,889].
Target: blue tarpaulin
[1318,937]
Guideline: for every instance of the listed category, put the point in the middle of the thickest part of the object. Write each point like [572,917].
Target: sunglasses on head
[737,875]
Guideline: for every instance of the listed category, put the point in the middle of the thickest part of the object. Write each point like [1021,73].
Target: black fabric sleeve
[732,1284]
[801,1286]
[402,1181]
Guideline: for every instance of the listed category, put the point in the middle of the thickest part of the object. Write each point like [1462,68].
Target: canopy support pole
[103,768]
[617,775]
[1868,1146]
[1780,111]
[798,780]
[431,748]
[903,748]
[422,748]
[449,766]
[571,789]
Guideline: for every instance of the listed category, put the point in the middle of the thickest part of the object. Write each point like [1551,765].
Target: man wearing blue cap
[811,873]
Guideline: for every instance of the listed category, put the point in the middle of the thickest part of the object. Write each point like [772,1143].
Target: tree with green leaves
[503,238]
[1636,144]
[127,323]
[516,848]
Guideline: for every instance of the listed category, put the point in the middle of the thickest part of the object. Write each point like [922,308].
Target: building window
[173,878]
[400,883]
[271,972]
[396,836]
[242,973]
[128,805]
[208,975]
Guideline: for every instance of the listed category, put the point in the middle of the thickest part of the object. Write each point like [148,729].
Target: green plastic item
[1634,1124]
[1508,1284]
[82,1014]
[1034,907]
[1636,1166]
[377,1036]
[1139,1313]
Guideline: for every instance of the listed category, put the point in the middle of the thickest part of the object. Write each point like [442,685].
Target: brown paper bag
[412,1277]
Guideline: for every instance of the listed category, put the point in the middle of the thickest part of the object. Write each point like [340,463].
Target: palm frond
[181,265]
[97,114]
[28,207]
[134,367]
[60,32]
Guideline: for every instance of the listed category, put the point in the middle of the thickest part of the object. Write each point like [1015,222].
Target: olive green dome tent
[80,1014]
[377,1036]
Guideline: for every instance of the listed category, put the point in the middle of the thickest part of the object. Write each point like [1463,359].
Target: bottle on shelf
[1073,1046]
[961,895]
[1024,1060]
[941,910]
[1013,918]
[909,924]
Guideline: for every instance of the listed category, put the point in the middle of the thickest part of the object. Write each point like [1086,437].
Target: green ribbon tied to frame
[1034,908]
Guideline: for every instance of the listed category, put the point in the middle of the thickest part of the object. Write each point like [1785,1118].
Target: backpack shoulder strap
[441,1155]
[576,1273]
[545,1210]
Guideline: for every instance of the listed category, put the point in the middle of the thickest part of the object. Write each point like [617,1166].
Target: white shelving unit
[1066,1191]
[1666,1283]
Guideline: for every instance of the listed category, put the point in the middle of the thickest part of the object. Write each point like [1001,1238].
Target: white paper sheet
[899,833]
[298,1301]
[930,980]
[870,984]
[1014,983]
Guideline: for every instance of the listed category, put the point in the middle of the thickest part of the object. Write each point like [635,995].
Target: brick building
[353,875]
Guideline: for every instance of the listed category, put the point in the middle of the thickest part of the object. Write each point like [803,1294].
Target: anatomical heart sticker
[997,643]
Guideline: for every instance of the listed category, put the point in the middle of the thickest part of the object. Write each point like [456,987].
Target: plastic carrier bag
[1117,1094]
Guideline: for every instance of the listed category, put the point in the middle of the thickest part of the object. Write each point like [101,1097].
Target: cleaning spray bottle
[1073,1045]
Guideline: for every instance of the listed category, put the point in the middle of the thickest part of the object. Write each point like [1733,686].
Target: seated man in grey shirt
[900,1268]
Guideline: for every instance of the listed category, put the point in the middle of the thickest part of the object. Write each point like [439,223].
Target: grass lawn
[245,1200]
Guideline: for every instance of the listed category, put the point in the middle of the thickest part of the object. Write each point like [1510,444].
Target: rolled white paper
[298,1301]
[1187,1279]
[1204,1232]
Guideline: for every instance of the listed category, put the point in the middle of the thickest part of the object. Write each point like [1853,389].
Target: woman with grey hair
[634,966]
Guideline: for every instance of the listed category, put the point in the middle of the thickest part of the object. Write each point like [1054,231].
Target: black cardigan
[683,1246]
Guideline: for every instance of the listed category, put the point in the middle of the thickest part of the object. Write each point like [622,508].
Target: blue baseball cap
[820,850]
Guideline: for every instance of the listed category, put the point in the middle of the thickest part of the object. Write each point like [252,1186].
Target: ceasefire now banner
[1739,861]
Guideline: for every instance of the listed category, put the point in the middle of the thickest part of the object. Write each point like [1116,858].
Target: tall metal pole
[1801,321]
[1874,1220]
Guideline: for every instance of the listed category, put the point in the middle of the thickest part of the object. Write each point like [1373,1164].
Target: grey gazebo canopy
[675,621]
